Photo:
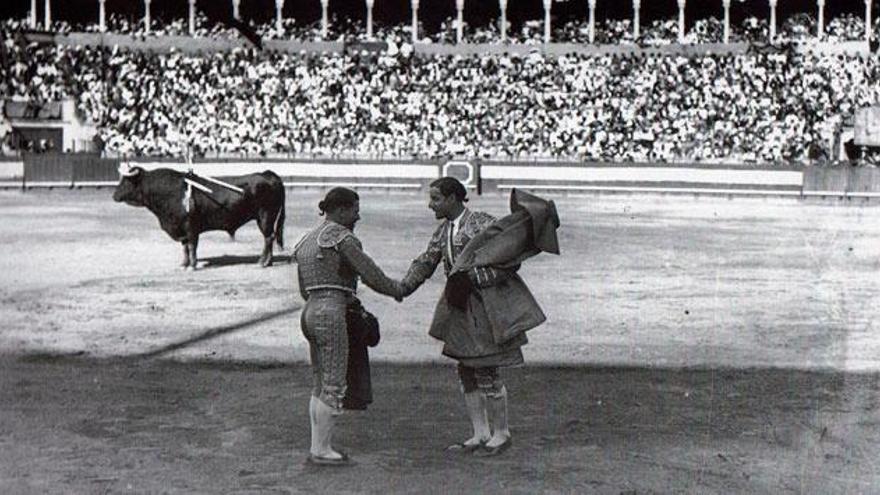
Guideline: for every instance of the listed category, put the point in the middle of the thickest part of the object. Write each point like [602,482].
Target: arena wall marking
[566,175]
[305,169]
[657,190]
[11,170]
[386,175]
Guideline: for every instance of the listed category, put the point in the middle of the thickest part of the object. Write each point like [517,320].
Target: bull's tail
[279,226]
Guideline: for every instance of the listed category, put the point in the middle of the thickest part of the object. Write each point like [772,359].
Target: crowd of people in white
[845,27]
[778,106]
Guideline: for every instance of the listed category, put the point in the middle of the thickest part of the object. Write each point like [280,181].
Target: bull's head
[128,189]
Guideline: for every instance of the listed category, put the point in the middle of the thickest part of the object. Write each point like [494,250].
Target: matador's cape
[510,308]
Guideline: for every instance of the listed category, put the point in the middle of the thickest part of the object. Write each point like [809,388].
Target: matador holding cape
[486,308]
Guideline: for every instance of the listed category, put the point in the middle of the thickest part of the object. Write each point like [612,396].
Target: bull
[187,205]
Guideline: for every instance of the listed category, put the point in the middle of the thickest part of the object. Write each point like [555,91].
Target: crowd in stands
[747,106]
[798,27]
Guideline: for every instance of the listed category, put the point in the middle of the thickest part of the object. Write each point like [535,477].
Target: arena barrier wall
[11,171]
[842,181]
[863,181]
[380,174]
[643,177]
[89,170]
[52,169]
[68,170]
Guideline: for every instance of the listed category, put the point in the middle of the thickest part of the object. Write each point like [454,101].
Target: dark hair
[338,197]
[450,185]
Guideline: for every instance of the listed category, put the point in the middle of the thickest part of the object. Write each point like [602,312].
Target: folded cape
[528,230]
[510,307]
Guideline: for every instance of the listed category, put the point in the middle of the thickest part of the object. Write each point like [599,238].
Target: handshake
[478,277]
[404,289]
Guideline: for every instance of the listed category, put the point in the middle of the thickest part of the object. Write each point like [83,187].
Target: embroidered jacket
[465,329]
[331,257]
[421,269]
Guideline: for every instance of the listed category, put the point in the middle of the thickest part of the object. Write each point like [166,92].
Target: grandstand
[659,93]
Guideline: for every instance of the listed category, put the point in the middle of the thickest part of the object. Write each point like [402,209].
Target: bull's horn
[126,170]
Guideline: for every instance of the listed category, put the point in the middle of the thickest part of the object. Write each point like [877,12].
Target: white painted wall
[11,170]
[643,174]
[304,169]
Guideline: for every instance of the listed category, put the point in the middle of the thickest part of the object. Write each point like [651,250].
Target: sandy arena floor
[656,281]
[710,345]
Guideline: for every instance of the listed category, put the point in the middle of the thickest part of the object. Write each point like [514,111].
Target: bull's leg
[192,245]
[266,257]
[267,227]
[185,263]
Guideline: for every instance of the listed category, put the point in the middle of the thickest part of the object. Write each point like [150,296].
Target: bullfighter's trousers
[324,326]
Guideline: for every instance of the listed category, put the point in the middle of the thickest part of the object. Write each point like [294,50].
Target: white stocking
[476,409]
[497,406]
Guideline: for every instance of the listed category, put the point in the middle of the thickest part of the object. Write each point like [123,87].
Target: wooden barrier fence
[844,181]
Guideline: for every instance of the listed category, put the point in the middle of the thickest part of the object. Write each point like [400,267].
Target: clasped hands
[479,277]
[404,290]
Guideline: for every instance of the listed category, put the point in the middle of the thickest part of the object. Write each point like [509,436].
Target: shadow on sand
[230,260]
[214,332]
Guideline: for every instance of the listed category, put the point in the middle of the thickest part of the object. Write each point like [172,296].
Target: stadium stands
[846,27]
[755,106]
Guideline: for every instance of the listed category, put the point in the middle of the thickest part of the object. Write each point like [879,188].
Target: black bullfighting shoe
[487,451]
[466,448]
[315,460]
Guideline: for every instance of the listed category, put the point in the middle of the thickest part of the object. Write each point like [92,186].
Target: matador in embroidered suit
[486,309]
[330,260]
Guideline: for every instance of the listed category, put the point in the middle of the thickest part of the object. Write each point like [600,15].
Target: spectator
[768,107]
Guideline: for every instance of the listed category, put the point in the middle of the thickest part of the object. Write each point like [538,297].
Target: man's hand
[402,291]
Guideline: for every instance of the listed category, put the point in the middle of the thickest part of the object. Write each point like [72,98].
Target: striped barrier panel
[50,170]
[842,181]
[863,182]
[654,178]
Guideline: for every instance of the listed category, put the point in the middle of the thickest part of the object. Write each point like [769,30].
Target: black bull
[184,212]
